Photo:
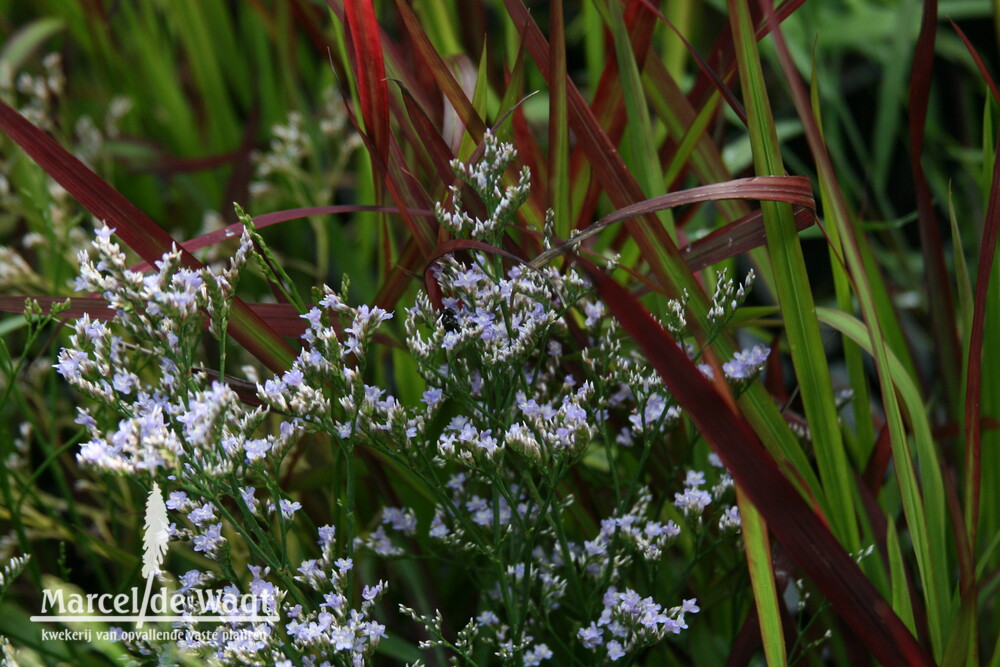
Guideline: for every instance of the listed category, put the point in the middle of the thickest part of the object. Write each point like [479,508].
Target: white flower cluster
[11,569]
[42,91]
[325,388]
[499,321]
[291,155]
[526,377]
[746,364]
[488,629]
[694,500]
[729,296]
[335,627]
[639,534]
[630,622]
[485,177]
[331,628]
[175,419]
[164,308]
[547,433]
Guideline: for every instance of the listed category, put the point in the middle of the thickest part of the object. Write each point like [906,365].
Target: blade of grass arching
[19,46]
[978,60]
[559,177]
[864,425]
[925,515]
[765,592]
[643,160]
[805,537]
[744,235]
[663,256]
[705,158]
[140,233]
[938,284]
[789,189]
[794,292]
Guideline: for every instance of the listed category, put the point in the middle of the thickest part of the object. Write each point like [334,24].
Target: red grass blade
[980,65]
[973,385]
[938,285]
[369,72]
[276,217]
[608,166]
[133,227]
[804,536]
[449,86]
[795,190]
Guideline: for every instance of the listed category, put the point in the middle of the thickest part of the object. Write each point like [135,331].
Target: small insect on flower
[450,320]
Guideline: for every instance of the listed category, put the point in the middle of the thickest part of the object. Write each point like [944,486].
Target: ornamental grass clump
[528,450]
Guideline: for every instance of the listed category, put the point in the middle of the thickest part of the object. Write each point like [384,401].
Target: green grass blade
[640,148]
[901,602]
[794,293]
[765,593]
[860,400]
[924,511]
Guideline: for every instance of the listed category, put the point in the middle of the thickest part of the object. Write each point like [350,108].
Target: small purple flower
[615,650]
[591,636]
[177,500]
[209,541]
[326,535]
[256,449]
[432,397]
[289,508]
[202,514]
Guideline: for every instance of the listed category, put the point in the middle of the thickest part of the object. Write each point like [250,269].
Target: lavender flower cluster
[527,383]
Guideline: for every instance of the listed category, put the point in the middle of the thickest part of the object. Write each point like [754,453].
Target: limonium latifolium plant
[530,449]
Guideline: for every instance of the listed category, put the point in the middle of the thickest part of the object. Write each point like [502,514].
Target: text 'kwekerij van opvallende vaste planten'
[616,332]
